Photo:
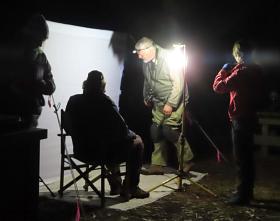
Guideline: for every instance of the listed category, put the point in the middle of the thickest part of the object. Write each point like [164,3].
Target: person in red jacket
[243,82]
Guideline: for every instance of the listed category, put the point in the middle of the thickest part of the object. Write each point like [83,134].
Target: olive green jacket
[162,84]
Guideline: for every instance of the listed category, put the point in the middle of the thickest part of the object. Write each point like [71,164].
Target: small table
[20,154]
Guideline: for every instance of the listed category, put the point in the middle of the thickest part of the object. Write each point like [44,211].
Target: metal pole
[182,136]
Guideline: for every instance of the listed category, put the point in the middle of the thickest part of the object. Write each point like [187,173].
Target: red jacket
[244,84]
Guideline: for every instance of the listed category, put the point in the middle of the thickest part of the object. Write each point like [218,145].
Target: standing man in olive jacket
[163,91]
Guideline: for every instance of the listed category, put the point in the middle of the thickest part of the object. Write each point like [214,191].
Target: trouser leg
[134,162]
[187,152]
[159,156]
[173,135]
[242,138]
[168,129]
[114,177]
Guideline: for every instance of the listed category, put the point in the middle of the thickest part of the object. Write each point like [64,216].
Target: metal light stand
[209,139]
[48,188]
[181,173]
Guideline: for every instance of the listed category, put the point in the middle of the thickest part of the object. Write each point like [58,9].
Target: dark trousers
[243,150]
[130,152]
[134,162]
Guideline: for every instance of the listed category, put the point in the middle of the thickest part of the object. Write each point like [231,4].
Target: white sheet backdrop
[73,52]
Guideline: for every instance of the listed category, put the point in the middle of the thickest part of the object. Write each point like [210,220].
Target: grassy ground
[194,203]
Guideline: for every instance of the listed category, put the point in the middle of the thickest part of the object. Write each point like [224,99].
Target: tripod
[180,173]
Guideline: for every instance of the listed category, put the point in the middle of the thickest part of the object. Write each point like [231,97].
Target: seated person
[101,135]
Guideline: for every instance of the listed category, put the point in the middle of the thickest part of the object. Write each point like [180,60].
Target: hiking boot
[239,200]
[139,193]
[152,170]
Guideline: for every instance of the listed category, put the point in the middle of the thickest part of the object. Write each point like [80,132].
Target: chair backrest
[66,123]
[67,129]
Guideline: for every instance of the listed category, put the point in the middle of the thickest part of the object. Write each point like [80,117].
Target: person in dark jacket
[101,135]
[244,83]
[163,92]
[27,74]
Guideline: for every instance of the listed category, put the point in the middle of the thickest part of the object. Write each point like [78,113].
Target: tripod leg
[163,183]
[51,192]
[202,187]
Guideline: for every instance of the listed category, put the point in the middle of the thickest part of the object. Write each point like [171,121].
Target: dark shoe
[115,190]
[237,199]
[152,170]
[139,193]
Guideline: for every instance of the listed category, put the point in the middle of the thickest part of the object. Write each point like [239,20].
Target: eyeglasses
[138,50]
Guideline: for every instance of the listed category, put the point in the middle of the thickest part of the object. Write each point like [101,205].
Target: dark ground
[194,203]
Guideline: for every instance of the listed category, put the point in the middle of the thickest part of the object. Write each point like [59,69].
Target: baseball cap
[142,44]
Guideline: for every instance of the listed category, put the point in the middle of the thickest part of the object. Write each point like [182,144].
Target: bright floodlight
[177,57]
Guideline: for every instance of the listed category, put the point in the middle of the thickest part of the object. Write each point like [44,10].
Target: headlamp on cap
[143,44]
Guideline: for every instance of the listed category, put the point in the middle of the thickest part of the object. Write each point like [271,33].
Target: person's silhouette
[100,134]
[27,74]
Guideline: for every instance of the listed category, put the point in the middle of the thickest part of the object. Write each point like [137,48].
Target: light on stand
[177,62]
[177,59]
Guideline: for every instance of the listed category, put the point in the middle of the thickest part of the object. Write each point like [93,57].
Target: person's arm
[44,75]
[227,79]
[117,120]
[48,80]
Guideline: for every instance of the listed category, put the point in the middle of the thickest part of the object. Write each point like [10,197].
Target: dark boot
[241,199]
[132,192]
[138,193]
[152,170]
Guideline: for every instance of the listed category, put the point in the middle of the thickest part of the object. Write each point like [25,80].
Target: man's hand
[167,110]
[131,134]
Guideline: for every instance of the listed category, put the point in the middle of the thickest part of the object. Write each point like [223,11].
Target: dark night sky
[208,28]
[207,23]
[196,16]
